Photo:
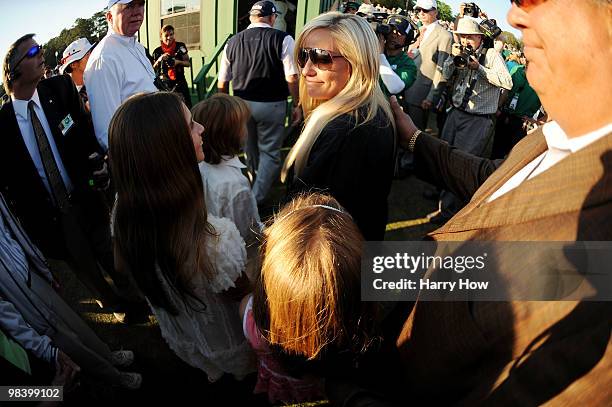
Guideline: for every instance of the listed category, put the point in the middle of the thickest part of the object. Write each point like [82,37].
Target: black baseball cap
[263,9]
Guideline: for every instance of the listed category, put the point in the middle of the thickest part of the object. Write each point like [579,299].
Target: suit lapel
[434,34]
[17,150]
[549,193]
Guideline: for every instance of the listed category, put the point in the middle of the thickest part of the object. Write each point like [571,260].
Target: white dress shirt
[228,194]
[117,69]
[225,71]
[29,138]
[559,147]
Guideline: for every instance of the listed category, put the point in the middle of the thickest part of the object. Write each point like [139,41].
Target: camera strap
[470,89]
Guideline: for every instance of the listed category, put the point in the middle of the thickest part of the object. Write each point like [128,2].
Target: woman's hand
[404,124]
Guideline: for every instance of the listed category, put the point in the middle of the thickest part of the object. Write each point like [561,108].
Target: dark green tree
[93,28]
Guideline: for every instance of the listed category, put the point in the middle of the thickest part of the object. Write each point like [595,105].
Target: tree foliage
[445,12]
[511,39]
[93,28]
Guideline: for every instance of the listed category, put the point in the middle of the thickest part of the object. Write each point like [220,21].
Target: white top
[559,147]
[117,69]
[29,138]
[228,194]
[392,81]
[225,72]
[211,339]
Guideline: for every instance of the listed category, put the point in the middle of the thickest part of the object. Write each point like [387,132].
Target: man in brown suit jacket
[556,185]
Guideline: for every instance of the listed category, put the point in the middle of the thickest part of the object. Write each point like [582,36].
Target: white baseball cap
[111,3]
[75,52]
[426,4]
[366,8]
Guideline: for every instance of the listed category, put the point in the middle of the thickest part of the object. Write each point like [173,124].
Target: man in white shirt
[118,67]
[554,185]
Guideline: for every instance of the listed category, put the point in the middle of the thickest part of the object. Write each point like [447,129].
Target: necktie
[58,188]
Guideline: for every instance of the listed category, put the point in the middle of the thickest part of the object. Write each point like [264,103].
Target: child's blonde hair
[308,294]
[224,118]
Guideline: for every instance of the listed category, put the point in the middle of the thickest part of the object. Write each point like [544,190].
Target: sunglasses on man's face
[32,52]
[321,58]
[527,4]
[418,10]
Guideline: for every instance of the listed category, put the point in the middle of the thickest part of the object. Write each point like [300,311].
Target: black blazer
[355,165]
[19,181]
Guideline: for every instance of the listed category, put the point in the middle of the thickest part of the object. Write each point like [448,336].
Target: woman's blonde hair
[308,295]
[356,41]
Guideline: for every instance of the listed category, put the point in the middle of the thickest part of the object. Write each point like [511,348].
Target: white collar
[259,25]
[557,139]
[123,38]
[21,106]
[231,161]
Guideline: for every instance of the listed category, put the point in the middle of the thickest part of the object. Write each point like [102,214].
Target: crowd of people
[108,168]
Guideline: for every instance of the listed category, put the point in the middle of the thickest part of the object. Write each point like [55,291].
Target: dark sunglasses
[527,4]
[321,58]
[418,9]
[32,52]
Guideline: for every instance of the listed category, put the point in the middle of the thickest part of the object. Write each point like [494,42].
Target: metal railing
[200,80]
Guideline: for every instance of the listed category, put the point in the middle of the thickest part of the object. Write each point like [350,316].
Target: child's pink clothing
[271,377]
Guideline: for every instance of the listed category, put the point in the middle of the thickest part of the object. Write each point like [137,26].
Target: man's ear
[109,16]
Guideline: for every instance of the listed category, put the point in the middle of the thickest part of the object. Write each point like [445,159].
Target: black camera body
[471,10]
[376,21]
[489,29]
[463,58]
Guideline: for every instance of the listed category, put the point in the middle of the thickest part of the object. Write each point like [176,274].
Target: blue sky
[496,9]
[47,18]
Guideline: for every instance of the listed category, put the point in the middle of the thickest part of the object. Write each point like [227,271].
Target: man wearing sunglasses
[46,173]
[259,63]
[118,67]
[555,185]
[434,49]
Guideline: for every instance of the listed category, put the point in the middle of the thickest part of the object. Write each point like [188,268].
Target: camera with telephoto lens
[489,29]
[377,23]
[463,58]
[471,10]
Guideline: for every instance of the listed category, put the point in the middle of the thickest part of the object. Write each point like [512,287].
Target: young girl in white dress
[187,263]
[227,191]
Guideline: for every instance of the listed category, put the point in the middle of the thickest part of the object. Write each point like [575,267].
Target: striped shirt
[490,78]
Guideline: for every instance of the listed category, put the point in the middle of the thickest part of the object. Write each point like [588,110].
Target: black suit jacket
[19,181]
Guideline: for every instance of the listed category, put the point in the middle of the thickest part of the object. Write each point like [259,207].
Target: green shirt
[404,67]
[528,101]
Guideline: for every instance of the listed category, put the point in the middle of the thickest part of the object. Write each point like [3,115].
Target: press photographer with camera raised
[402,33]
[171,59]
[393,84]
[476,74]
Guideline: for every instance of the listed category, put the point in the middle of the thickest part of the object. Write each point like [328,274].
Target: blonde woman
[347,146]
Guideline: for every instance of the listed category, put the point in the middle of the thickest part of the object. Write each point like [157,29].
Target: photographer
[479,74]
[402,33]
[171,59]
[391,37]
